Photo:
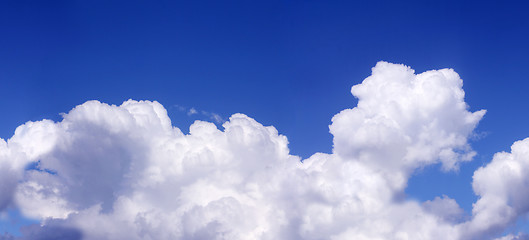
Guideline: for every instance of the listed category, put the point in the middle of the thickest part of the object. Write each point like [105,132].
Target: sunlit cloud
[124,172]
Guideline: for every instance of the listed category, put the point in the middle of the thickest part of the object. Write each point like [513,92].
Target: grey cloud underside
[124,172]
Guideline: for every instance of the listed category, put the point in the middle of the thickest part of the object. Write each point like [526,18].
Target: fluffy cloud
[404,120]
[30,141]
[124,172]
[503,188]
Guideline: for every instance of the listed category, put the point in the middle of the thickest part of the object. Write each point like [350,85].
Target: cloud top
[124,172]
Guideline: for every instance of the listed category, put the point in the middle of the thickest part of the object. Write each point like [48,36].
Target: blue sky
[290,64]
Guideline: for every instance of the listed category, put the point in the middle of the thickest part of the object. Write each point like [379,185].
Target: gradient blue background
[289,64]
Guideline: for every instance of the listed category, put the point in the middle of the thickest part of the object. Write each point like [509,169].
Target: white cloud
[404,121]
[124,172]
[503,190]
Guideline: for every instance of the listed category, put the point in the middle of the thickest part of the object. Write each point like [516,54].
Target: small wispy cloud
[217,118]
[192,111]
[180,108]
[213,116]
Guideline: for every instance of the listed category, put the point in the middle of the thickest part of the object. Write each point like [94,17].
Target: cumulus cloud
[124,172]
[404,120]
[503,190]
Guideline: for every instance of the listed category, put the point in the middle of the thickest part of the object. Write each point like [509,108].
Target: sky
[418,143]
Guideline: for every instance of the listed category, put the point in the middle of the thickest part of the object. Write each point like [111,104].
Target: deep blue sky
[285,63]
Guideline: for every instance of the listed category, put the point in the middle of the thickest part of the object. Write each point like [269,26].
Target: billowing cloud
[503,188]
[124,172]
